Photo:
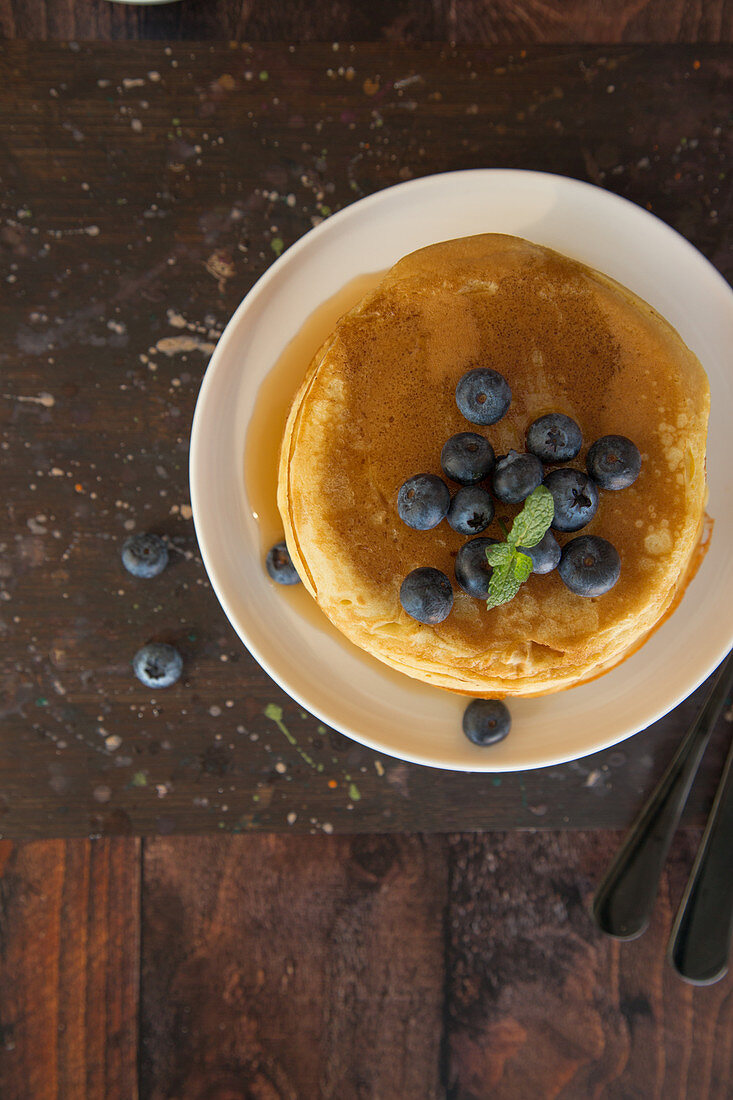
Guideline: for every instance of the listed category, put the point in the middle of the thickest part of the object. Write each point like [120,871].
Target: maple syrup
[272,404]
[267,425]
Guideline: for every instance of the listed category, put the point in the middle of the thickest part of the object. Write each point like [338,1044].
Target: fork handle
[625,897]
[700,941]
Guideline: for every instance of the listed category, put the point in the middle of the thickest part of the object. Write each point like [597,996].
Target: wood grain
[542,1005]
[488,22]
[454,967]
[526,21]
[306,967]
[128,172]
[69,944]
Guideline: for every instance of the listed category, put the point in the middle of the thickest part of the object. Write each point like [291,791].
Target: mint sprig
[510,566]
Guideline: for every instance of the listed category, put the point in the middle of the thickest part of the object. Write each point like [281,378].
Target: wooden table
[144,189]
[500,22]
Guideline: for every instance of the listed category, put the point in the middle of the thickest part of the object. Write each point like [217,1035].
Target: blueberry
[545,555]
[486,721]
[516,476]
[144,555]
[157,665]
[280,566]
[554,438]
[426,594]
[589,565]
[423,501]
[575,496]
[483,396]
[467,458]
[471,510]
[614,462]
[473,571]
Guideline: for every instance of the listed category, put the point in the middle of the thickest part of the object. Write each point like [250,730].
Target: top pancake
[378,402]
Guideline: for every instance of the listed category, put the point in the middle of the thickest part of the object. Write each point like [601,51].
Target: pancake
[378,402]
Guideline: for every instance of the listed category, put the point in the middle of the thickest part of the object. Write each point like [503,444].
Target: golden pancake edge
[378,402]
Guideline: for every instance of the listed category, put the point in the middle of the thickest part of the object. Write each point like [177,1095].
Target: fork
[625,896]
[700,940]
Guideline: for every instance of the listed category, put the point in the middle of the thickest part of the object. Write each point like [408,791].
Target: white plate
[328,675]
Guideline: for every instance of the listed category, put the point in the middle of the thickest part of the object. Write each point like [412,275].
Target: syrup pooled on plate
[267,424]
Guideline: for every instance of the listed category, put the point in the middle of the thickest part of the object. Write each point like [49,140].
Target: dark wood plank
[298,967]
[488,22]
[541,1005]
[109,219]
[450,967]
[69,942]
[289,968]
[525,21]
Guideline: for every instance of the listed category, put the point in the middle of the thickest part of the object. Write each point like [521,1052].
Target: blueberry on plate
[423,501]
[157,665]
[483,395]
[614,462]
[473,571]
[516,476]
[545,555]
[426,594]
[144,555]
[471,510]
[486,721]
[280,566]
[589,565]
[467,458]
[554,438]
[575,497]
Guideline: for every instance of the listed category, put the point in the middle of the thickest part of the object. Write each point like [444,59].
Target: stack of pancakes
[378,402]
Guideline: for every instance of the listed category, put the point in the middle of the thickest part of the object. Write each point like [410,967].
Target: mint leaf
[533,522]
[510,567]
[499,554]
[522,565]
[503,584]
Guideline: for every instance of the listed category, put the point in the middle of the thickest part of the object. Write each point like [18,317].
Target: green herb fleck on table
[510,566]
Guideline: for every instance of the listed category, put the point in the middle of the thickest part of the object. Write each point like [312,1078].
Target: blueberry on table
[423,501]
[473,571]
[471,510]
[575,497]
[467,458]
[486,721]
[144,555]
[545,555]
[157,665]
[483,395]
[280,566]
[516,476]
[589,565]
[426,594]
[614,462]
[554,438]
